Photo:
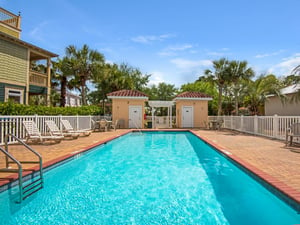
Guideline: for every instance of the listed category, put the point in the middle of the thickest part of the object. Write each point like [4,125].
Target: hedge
[9,108]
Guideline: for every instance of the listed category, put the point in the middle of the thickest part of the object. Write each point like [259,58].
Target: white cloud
[189,64]
[156,78]
[216,53]
[286,66]
[221,52]
[91,31]
[146,39]
[172,50]
[225,49]
[37,32]
[269,54]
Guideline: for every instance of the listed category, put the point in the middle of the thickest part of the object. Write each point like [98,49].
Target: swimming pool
[149,178]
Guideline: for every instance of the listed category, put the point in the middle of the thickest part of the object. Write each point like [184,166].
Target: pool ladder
[136,126]
[34,184]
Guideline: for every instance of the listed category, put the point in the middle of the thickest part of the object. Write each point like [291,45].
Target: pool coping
[12,180]
[281,189]
[286,193]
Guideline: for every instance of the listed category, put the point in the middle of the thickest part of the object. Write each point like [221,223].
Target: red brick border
[277,184]
[14,177]
[274,182]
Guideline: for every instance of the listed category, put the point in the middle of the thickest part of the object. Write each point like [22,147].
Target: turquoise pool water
[150,178]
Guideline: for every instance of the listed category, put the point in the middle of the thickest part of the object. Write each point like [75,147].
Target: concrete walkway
[270,159]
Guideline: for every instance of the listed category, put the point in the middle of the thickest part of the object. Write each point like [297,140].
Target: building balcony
[10,23]
[38,79]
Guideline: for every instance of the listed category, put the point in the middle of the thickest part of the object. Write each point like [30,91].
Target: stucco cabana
[191,109]
[128,106]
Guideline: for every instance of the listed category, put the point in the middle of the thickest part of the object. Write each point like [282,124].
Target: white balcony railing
[38,79]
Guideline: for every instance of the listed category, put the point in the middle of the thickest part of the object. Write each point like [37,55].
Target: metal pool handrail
[33,184]
[19,170]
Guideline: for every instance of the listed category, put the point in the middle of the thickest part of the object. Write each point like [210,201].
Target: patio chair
[33,133]
[114,126]
[55,131]
[103,125]
[95,125]
[291,132]
[215,124]
[69,129]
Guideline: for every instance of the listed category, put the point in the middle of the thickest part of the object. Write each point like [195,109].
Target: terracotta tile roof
[127,93]
[192,94]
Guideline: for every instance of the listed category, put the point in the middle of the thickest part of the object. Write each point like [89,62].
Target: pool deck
[269,159]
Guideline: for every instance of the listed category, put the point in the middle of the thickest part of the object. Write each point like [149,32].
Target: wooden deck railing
[39,79]
[9,18]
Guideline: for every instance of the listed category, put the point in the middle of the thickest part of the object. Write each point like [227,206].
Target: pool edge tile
[290,194]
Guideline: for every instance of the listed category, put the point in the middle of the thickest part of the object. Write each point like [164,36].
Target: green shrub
[10,108]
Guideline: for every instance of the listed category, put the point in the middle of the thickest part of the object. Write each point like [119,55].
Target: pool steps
[32,185]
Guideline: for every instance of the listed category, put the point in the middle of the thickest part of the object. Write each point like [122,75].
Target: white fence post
[90,121]
[77,122]
[242,123]
[60,119]
[275,126]
[255,125]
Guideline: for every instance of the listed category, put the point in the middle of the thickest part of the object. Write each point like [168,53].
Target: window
[15,95]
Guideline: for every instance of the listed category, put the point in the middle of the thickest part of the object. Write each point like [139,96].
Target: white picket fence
[268,126]
[13,124]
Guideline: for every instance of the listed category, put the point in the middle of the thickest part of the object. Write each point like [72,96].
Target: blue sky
[174,40]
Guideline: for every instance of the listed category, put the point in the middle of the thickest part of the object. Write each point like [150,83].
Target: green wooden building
[20,77]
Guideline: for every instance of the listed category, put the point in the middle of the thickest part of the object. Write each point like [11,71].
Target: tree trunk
[63,91]
[220,101]
[83,93]
[236,102]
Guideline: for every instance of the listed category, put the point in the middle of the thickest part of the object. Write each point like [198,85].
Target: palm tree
[296,70]
[238,71]
[296,77]
[219,77]
[258,91]
[62,70]
[204,87]
[86,65]
[116,77]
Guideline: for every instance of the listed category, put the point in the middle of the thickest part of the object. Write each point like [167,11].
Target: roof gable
[290,89]
[193,95]
[127,94]
[27,45]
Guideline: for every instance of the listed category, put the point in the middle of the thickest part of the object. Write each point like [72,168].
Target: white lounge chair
[33,133]
[55,131]
[114,126]
[68,128]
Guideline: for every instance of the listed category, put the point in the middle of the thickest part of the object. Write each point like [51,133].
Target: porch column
[28,78]
[152,113]
[168,120]
[49,81]
[170,117]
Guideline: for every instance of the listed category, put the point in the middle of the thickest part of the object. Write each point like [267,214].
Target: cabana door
[187,116]
[135,116]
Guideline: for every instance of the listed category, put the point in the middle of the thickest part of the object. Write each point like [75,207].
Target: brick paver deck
[269,159]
